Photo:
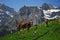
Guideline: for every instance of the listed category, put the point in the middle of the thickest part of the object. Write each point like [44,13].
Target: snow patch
[54,10]
[9,13]
[46,12]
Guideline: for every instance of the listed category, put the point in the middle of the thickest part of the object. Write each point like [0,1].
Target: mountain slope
[41,33]
[6,14]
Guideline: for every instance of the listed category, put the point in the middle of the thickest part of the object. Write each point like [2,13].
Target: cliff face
[32,13]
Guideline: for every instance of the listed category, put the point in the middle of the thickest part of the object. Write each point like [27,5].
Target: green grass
[52,32]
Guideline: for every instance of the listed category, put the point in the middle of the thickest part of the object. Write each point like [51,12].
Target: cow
[24,24]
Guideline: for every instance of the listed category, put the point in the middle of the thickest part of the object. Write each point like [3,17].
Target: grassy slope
[41,33]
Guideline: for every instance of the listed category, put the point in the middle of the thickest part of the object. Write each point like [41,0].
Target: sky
[17,4]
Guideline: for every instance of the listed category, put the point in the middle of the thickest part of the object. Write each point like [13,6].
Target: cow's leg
[36,27]
[47,23]
[19,28]
[23,27]
[28,27]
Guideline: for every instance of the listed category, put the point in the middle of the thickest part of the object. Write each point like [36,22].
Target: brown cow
[24,24]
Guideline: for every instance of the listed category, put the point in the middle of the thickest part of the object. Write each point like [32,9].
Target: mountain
[6,14]
[37,14]
[50,11]
[9,18]
[7,9]
[46,6]
[31,13]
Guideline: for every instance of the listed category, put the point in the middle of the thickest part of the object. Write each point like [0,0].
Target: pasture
[52,32]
